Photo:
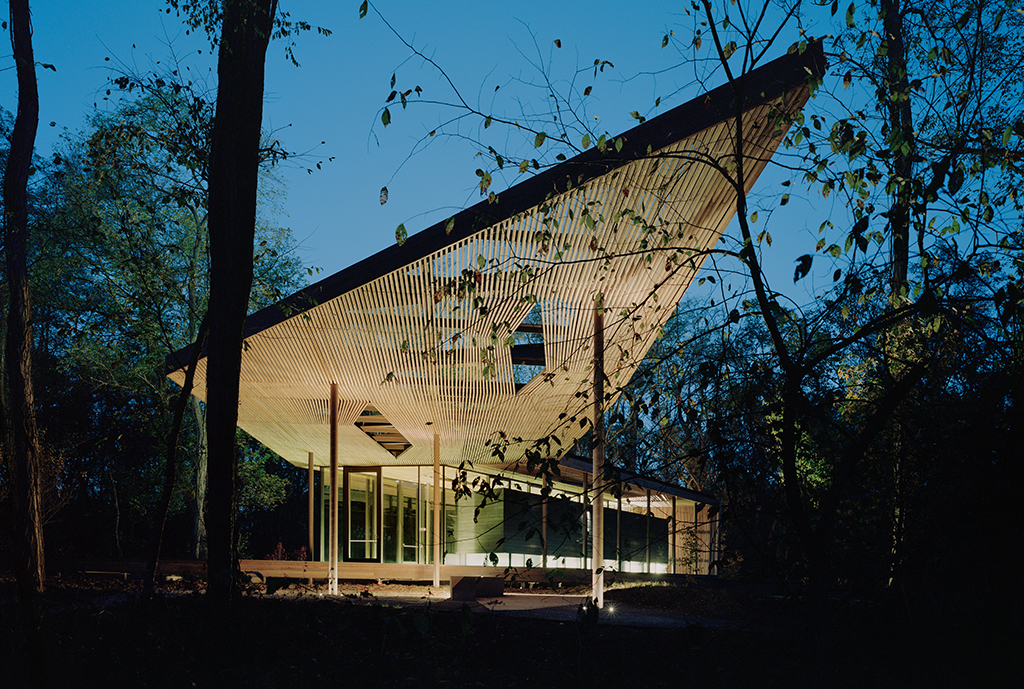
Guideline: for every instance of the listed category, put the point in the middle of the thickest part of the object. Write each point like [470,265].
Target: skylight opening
[373,423]
[528,349]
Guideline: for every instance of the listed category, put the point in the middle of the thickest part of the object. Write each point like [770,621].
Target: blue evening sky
[336,95]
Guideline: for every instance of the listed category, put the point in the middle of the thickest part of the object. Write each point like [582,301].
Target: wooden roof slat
[395,342]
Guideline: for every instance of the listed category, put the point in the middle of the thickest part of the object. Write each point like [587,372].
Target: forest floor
[90,632]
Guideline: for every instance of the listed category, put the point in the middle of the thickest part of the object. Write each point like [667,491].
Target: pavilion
[477,348]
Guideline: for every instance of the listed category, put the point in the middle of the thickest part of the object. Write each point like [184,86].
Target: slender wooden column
[332,586]
[309,521]
[675,539]
[618,529]
[647,537]
[586,531]
[437,510]
[715,542]
[544,525]
[597,500]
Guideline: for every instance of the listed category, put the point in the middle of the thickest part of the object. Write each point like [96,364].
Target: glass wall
[386,515]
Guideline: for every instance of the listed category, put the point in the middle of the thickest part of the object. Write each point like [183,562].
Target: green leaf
[362,9]
[481,261]
[450,225]
[753,217]
[385,117]
[586,141]
[784,200]
[618,145]
[538,140]
[524,166]
[849,15]
[485,180]
[664,41]
[400,234]
[487,122]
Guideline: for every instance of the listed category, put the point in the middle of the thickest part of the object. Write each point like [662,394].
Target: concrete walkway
[560,608]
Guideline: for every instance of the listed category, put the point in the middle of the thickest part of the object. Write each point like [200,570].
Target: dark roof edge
[578,463]
[762,85]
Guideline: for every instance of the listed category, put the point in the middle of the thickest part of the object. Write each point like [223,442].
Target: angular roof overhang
[424,334]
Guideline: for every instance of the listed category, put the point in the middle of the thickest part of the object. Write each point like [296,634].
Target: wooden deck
[348,571]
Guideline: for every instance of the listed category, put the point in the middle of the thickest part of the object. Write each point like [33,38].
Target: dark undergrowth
[311,642]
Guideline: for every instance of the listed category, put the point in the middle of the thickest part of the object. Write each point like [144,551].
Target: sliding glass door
[362,510]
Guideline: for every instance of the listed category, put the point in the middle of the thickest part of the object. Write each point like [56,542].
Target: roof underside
[430,337]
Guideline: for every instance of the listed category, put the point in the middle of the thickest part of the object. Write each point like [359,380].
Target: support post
[675,539]
[715,542]
[437,510]
[597,471]
[618,530]
[332,584]
[309,494]
[586,531]
[647,530]
[309,521]
[544,524]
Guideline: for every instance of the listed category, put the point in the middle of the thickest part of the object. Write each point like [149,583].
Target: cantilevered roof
[427,337]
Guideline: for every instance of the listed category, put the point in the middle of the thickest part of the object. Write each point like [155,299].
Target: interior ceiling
[421,333]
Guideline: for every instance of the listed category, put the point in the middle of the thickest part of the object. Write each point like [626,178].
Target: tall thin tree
[23,442]
[234,171]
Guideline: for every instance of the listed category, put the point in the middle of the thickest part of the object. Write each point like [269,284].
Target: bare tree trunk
[199,504]
[901,142]
[117,515]
[23,439]
[171,465]
[202,449]
[234,166]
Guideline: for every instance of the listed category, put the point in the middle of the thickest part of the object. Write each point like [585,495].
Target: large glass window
[362,513]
